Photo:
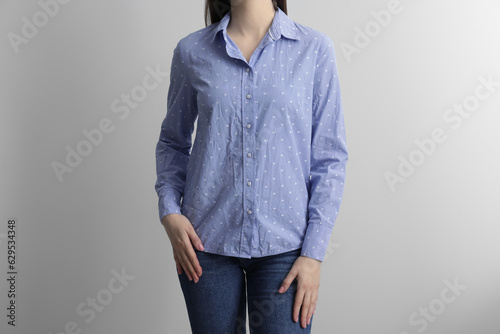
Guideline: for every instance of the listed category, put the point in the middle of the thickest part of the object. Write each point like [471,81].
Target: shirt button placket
[248,115]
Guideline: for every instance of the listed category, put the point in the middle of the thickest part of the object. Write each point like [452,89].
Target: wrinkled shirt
[265,173]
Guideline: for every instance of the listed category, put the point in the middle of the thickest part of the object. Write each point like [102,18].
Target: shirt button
[247,69]
[249,154]
[249,211]
[249,183]
[249,126]
[248,96]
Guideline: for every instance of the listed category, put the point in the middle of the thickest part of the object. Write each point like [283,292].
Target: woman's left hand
[307,271]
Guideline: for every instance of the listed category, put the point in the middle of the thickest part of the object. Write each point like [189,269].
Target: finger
[287,281]
[195,239]
[181,264]
[188,267]
[312,307]
[178,265]
[305,309]
[186,264]
[188,257]
[195,270]
[314,302]
[186,271]
[195,263]
[311,313]
[299,297]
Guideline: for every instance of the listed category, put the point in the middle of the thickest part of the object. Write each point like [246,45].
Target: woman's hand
[182,237]
[307,271]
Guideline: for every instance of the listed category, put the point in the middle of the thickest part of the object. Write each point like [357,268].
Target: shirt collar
[282,25]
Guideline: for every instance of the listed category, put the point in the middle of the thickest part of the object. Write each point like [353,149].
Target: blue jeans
[217,303]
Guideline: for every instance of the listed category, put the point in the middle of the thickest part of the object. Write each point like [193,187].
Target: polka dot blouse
[265,171]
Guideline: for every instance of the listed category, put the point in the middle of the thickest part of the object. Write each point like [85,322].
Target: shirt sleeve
[174,144]
[328,154]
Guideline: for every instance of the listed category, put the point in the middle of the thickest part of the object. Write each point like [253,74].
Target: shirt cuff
[316,241]
[169,202]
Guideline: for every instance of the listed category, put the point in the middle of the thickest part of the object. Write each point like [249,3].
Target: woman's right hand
[182,237]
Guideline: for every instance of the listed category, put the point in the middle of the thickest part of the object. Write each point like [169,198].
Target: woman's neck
[251,18]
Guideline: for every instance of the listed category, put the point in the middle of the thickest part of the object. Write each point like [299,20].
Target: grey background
[391,251]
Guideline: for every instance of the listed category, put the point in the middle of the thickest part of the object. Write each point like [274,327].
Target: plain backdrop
[395,252]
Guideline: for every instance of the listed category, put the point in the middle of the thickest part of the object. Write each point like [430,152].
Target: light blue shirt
[265,173]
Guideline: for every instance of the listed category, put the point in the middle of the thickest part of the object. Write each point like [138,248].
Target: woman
[262,184]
